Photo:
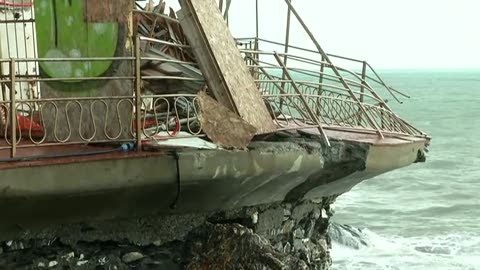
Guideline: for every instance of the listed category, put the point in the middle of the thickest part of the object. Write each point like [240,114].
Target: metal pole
[362,85]
[13,109]
[362,89]
[334,68]
[302,98]
[320,86]
[226,15]
[256,26]
[287,41]
[320,79]
[257,34]
[138,94]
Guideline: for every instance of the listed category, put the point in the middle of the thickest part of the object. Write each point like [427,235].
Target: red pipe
[18,5]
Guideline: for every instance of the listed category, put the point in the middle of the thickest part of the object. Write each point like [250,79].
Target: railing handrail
[367,86]
[379,78]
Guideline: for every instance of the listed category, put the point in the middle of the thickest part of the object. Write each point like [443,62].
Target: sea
[427,215]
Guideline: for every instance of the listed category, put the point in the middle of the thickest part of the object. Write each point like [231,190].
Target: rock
[316,213]
[52,264]
[299,233]
[102,260]
[324,214]
[298,244]
[288,226]
[233,246]
[284,237]
[279,246]
[69,256]
[287,248]
[132,257]
[254,218]
[15,245]
[82,262]
[310,227]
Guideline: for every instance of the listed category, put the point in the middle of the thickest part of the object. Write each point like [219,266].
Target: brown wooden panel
[107,10]
[222,64]
[222,126]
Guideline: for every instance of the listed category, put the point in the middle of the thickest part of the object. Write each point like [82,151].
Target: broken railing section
[329,101]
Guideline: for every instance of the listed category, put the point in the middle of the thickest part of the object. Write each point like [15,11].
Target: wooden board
[222,64]
[107,10]
[222,126]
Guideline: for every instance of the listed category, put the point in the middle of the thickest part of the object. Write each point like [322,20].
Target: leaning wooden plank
[221,63]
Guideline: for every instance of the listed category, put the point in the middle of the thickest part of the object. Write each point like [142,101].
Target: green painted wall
[62,32]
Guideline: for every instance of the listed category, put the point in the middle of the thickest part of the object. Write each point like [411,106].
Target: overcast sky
[387,33]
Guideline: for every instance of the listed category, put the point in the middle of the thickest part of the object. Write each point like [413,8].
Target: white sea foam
[442,252]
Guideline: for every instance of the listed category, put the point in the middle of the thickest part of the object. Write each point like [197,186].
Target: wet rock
[102,261]
[233,246]
[82,262]
[15,245]
[132,257]
[288,226]
[254,218]
[348,236]
[279,236]
[299,233]
[69,256]
[52,264]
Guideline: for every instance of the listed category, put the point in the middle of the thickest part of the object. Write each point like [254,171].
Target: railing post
[320,79]
[362,89]
[13,108]
[320,86]
[362,85]
[138,95]
[257,30]
[287,44]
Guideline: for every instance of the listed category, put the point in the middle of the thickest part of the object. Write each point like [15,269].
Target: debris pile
[279,236]
[197,51]
[168,66]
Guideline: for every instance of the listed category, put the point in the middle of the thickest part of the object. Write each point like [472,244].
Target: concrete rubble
[279,236]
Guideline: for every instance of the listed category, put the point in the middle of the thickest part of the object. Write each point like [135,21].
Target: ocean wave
[442,251]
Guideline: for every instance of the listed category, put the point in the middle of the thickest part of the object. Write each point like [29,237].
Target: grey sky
[387,33]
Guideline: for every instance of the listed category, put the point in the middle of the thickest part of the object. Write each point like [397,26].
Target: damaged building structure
[135,135]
